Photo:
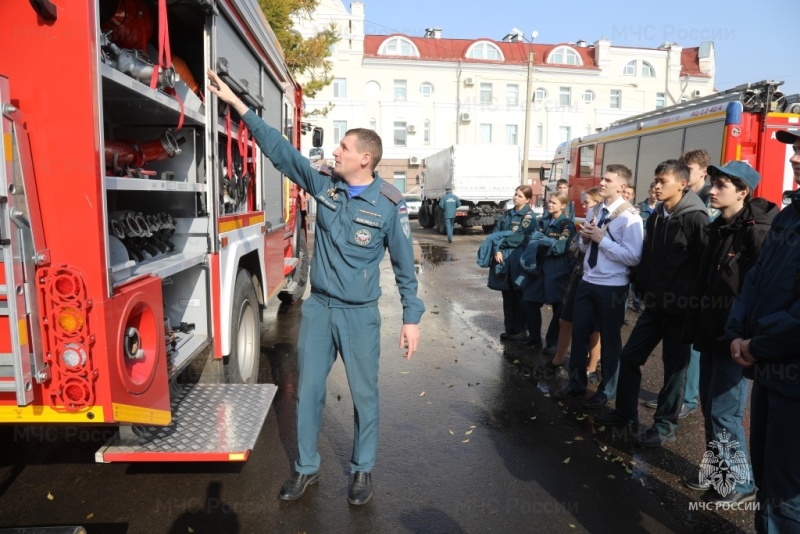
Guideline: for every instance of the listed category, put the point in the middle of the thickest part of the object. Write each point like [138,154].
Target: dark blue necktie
[593,249]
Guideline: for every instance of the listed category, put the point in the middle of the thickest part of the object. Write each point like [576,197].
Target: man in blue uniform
[765,327]
[449,203]
[358,218]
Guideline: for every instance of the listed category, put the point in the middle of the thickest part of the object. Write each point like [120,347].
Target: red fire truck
[737,124]
[140,226]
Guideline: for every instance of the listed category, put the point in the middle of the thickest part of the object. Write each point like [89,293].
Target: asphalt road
[467,444]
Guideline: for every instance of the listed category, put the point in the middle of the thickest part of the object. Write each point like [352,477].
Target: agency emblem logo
[363,237]
[724,465]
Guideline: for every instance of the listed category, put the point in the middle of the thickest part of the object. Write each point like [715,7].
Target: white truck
[483,177]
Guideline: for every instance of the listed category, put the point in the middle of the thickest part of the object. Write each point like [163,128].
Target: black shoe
[693,483]
[568,392]
[733,497]
[549,350]
[653,438]
[513,337]
[686,411]
[360,489]
[295,487]
[598,400]
[612,418]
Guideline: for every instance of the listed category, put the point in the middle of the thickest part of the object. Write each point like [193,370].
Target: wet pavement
[467,444]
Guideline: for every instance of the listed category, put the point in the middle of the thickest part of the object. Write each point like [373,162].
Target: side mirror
[315,153]
[317,137]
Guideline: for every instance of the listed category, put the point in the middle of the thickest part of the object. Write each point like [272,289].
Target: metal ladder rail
[19,257]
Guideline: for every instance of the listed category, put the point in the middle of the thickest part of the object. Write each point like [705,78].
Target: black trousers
[514,311]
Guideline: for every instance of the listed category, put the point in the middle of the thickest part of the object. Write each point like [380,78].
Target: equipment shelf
[130,97]
[162,266]
[117,183]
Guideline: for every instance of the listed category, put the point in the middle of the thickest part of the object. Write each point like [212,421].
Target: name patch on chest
[368,222]
[363,237]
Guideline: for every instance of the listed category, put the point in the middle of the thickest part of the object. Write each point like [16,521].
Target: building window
[400,133]
[339,88]
[400,181]
[540,134]
[564,55]
[630,69]
[486,133]
[512,95]
[372,89]
[661,100]
[564,134]
[616,99]
[540,95]
[564,96]
[647,70]
[400,90]
[426,132]
[373,124]
[486,93]
[426,89]
[398,46]
[339,129]
[511,134]
[588,96]
[485,50]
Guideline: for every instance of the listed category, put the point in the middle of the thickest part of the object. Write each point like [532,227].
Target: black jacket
[671,255]
[733,247]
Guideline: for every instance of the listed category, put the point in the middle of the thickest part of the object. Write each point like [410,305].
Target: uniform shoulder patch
[391,192]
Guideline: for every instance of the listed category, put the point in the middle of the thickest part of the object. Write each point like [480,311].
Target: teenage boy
[612,242]
[734,242]
[674,242]
[562,186]
[765,327]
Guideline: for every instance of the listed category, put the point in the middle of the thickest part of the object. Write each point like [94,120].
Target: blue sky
[749,37]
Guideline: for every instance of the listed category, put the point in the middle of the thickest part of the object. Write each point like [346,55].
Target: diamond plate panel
[206,418]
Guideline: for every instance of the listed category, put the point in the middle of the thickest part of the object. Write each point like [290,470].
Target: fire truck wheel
[439,217]
[425,216]
[300,273]
[241,365]
[488,228]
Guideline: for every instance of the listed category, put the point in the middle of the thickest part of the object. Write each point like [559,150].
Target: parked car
[413,202]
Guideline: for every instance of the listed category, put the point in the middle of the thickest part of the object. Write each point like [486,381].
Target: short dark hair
[368,141]
[675,167]
[698,155]
[562,181]
[720,178]
[621,170]
[525,190]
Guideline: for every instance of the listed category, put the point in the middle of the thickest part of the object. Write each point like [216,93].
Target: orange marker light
[70,320]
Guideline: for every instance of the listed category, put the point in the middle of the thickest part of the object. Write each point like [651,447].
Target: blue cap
[738,169]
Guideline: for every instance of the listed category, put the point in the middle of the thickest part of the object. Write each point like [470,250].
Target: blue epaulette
[391,192]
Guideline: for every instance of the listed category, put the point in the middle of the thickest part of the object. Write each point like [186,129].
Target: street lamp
[524,171]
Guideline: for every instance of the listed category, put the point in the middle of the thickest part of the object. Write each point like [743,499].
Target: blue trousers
[355,334]
[691,391]
[594,306]
[514,317]
[652,327]
[448,223]
[774,435]
[534,313]
[723,397]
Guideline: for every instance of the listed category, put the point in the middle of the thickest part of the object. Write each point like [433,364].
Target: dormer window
[564,55]
[485,50]
[398,46]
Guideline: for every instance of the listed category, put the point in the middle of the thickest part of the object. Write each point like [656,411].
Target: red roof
[515,53]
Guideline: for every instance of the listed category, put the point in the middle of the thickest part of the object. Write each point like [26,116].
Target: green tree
[305,57]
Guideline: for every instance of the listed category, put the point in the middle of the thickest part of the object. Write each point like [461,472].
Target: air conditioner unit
[696,92]
[410,128]
[414,160]
[469,80]
[466,117]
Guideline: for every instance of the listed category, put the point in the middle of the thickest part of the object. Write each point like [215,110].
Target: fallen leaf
[90,516]
[533,417]
[568,442]
[450,385]
[571,525]
[429,402]
[567,460]
[190,529]
[577,438]
[465,441]
[629,470]
[603,448]
[435,312]
[403,372]
[601,428]
[560,403]
[633,463]
[472,426]
[468,432]
[612,477]
[516,362]
[451,432]
[50,496]
[422,394]
[580,418]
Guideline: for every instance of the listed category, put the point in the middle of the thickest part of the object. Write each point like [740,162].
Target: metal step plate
[210,423]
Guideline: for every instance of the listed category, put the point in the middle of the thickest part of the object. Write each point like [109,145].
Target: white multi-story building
[425,93]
